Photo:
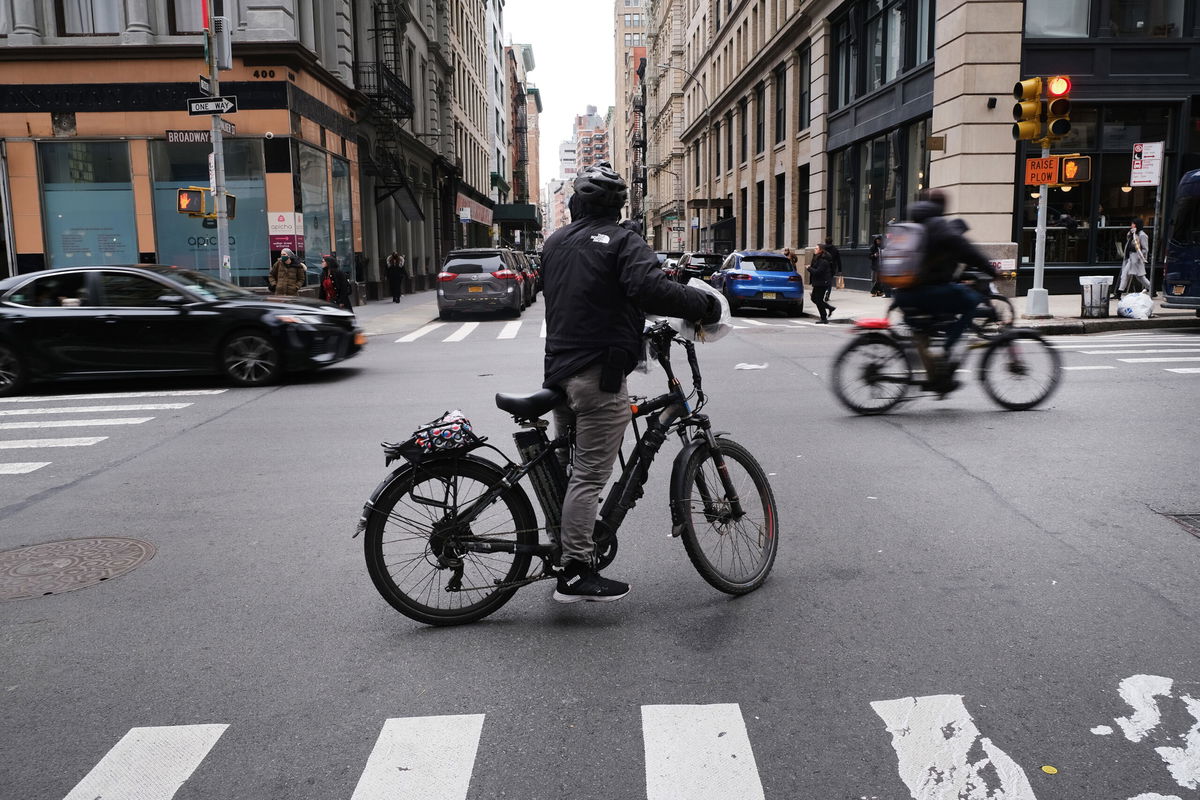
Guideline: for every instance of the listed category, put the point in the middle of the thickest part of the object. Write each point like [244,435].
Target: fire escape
[521,140]
[391,102]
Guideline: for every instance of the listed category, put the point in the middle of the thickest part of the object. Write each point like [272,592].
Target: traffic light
[1076,169]
[190,201]
[1058,106]
[1027,111]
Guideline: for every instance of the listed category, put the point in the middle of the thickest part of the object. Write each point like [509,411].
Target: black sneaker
[581,582]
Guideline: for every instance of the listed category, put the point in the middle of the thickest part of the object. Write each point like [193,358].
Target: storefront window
[1062,18]
[842,196]
[1140,18]
[185,241]
[1120,204]
[314,199]
[87,203]
[876,187]
[342,232]
[1083,133]
[917,160]
[1125,125]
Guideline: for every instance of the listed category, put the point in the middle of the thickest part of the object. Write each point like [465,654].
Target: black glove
[713,315]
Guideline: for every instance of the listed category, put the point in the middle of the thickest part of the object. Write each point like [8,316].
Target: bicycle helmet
[599,185]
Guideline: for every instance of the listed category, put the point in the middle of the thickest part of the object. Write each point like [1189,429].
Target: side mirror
[174,300]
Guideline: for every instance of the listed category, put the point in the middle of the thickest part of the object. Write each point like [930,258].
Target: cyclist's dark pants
[943,298]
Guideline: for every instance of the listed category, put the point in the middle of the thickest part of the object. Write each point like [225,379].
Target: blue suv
[760,278]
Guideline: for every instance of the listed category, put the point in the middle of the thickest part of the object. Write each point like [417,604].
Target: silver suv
[481,280]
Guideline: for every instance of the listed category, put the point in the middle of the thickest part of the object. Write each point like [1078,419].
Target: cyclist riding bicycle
[600,280]
[938,290]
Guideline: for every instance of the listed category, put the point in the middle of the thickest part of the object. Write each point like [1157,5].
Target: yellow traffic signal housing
[1027,112]
[1076,169]
[1058,106]
[190,201]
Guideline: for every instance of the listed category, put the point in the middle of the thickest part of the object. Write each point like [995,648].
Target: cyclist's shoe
[581,582]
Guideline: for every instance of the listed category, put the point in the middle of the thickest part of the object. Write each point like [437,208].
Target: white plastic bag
[1136,305]
[705,333]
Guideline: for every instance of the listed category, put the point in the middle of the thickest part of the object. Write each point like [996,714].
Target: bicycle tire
[1020,359]
[885,374]
[706,526]
[400,538]
[1001,320]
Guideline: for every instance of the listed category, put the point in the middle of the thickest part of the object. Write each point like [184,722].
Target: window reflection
[1142,18]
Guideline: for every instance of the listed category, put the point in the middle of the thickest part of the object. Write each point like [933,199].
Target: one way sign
[198,106]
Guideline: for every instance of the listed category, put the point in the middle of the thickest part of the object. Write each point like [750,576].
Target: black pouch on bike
[612,370]
[449,433]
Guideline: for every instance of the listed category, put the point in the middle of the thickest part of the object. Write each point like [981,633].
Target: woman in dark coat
[396,275]
[874,254]
[820,278]
[335,286]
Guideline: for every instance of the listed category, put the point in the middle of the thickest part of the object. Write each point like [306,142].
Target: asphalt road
[967,603]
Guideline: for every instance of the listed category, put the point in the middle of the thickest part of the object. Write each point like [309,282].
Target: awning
[517,212]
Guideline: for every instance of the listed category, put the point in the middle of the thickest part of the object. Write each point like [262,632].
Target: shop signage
[464,215]
[286,229]
[1147,164]
[197,106]
[1039,171]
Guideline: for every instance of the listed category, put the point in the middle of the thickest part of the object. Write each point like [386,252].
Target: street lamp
[708,136]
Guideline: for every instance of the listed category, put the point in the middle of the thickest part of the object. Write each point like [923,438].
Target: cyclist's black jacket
[946,247]
[600,280]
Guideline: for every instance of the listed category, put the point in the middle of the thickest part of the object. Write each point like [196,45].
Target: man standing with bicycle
[600,280]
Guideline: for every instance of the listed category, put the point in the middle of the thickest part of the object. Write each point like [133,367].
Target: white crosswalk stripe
[1155,360]
[510,331]
[73,423]
[462,333]
[22,468]
[78,441]
[1186,370]
[419,332]
[93,409]
[149,763]
[431,758]
[58,398]
[698,753]
[1154,348]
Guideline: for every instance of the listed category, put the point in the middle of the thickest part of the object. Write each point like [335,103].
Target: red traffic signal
[1058,106]
[190,201]
[1058,86]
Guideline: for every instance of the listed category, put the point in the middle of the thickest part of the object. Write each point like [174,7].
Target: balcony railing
[384,87]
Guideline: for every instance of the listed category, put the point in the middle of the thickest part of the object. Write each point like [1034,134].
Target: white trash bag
[1135,305]
[704,333]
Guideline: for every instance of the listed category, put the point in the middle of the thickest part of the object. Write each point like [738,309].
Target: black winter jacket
[945,246]
[600,280]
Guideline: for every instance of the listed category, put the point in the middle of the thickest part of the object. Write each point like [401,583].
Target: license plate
[474,288]
[1177,289]
[768,295]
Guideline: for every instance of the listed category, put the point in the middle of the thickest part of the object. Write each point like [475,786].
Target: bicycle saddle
[530,406]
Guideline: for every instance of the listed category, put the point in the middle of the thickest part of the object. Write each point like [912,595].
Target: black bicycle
[451,536]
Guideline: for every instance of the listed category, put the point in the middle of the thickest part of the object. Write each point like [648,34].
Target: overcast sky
[573,48]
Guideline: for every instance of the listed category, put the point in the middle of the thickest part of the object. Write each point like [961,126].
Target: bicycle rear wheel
[1020,370]
[872,374]
[415,542]
[734,554]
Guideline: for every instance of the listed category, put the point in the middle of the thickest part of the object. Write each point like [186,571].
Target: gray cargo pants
[600,420]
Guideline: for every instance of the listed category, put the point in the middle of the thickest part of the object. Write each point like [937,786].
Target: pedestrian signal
[1058,106]
[1076,169]
[1027,111]
[190,201]
[230,205]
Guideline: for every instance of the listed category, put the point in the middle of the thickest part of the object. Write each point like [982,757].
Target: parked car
[528,277]
[84,322]
[697,265]
[481,280]
[762,279]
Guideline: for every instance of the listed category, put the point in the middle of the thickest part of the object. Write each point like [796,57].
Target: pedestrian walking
[396,275]
[1137,248]
[874,254]
[835,260]
[335,286]
[287,274]
[820,277]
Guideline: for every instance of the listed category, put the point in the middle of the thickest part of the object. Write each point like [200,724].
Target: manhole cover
[56,567]
[1190,522]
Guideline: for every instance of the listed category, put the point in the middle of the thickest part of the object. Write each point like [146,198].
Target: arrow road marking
[422,757]
[149,763]
[698,753]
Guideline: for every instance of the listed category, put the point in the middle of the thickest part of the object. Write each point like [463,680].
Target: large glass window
[1140,18]
[780,102]
[87,203]
[845,64]
[760,118]
[729,140]
[802,206]
[924,38]
[314,199]
[742,125]
[780,205]
[90,17]
[876,186]
[1061,18]
[760,212]
[917,159]
[343,236]
[840,180]
[803,86]
[185,241]
[884,42]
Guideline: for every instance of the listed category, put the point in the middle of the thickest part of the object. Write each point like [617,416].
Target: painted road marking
[1108,367]
[698,753]
[419,332]
[22,469]
[1185,370]
[57,398]
[422,757]
[1157,360]
[94,409]
[73,423]
[80,441]
[765,324]
[933,738]
[462,333]
[543,333]
[149,763]
[1129,352]
[510,330]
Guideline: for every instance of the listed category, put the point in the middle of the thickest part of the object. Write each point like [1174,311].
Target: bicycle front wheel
[418,549]
[1020,370]
[872,374]
[732,551]
[999,319]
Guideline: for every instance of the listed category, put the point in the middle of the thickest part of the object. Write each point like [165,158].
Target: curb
[1065,326]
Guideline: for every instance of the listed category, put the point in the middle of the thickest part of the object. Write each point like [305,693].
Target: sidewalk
[414,310]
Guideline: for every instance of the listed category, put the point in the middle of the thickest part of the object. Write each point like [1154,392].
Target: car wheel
[795,310]
[13,372]
[734,305]
[250,358]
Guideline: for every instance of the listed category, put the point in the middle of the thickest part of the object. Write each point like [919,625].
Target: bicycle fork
[715,509]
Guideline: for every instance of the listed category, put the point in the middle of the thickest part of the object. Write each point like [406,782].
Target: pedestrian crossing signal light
[1076,169]
[190,201]
[1058,106]
[1027,112]
[230,205]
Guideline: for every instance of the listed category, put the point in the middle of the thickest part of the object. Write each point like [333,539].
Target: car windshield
[767,264]
[205,286]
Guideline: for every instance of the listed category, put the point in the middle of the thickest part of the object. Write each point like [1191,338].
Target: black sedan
[88,322]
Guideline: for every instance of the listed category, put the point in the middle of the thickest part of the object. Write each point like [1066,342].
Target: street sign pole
[1037,300]
[218,161]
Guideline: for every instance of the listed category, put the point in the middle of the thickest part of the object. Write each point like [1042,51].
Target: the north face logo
[600,238]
